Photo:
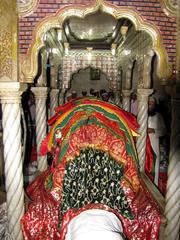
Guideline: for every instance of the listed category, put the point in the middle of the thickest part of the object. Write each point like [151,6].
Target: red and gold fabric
[87,137]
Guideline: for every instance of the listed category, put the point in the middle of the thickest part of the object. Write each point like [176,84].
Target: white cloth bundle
[95,224]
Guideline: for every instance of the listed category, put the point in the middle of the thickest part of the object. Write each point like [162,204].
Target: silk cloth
[91,138]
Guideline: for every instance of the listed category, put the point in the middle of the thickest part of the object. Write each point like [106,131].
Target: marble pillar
[172,208]
[41,122]
[126,95]
[54,94]
[42,81]
[142,118]
[10,94]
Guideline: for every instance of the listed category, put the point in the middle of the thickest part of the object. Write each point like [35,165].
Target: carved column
[10,94]
[142,118]
[41,122]
[126,92]
[128,73]
[54,75]
[143,92]
[42,81]
[126,99]
[172,208]
[117,94]
[53,101]
[147,61]
[54,91]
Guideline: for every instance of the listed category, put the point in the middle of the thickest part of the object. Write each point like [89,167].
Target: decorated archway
[30,63]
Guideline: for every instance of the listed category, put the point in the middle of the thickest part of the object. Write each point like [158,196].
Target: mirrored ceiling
[98,31]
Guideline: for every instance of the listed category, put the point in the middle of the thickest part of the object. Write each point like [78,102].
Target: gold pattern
[29,68]
[8,40]
[26,7]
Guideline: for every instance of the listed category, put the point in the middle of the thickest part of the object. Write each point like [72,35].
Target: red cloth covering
[41,219]
[128,117]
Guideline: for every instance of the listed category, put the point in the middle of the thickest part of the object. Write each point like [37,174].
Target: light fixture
[59,34]
[113,48]
[126,52]
[89,55]
[66,46]
[54,50]
[90,31]
[123,31]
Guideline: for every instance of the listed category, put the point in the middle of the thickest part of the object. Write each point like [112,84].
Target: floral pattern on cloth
[97,137]
[94,177]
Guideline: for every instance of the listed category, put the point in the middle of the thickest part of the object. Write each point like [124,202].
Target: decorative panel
[103,60]
[8,40]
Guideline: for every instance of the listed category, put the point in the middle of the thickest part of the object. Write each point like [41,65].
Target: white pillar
[10,94]
[126,99]
[142,118]
[53,101]
[172,208]
[41,122]
[42,81]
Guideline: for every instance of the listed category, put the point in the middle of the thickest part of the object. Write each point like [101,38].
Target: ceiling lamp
[123,31]
[90,32]
[126,52]
[89,55]
[54,50]
[66,46]
[113,48]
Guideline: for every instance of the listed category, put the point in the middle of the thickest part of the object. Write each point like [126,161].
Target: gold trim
[169,9]
[30,65]
[25,9]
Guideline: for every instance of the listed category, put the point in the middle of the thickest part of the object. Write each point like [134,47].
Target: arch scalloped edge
[30,65]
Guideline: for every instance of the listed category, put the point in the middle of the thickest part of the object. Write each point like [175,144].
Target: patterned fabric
[95,166]
[94,177]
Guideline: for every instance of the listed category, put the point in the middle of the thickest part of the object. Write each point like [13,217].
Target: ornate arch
[30,64]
